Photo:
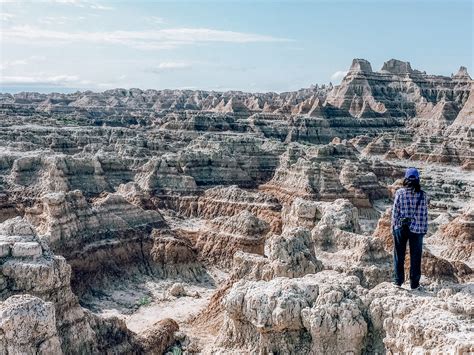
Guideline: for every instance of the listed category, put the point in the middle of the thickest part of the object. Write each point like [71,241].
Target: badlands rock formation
[40,313]
[144,221]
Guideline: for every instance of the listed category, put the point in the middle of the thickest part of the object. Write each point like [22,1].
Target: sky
[257,46]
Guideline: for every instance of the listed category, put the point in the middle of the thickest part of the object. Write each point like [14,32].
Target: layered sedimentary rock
[173,255]
[429,148]
[55,319]
[99,237]
[39,173]
[435,103]
[69,223]
[457,237]
[462,125]
[325,173]
[160,337]
[223,236]
[397,91]
[231,200]
[363,93]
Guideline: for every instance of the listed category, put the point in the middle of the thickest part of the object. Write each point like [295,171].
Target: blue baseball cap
[412,173]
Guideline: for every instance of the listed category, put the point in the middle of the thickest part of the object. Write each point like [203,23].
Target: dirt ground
[145,300]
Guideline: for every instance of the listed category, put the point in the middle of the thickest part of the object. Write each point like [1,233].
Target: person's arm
[425,210]
[396,209]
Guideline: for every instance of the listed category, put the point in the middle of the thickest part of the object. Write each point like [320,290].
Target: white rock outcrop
[28,326]
[320,313]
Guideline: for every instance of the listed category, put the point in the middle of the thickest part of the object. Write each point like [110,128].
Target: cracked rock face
[458,237]
[55,314]
[411,322]
[309,314]
[28,326]
[226,235]
[146,221]
[292,254]
[39,312]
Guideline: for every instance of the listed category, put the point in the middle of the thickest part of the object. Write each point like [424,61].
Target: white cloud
[82,3]
[6,16]
[43,79]
[156,20]
[69,2]
[149,39]
[339,75]
[168,66]
[59,20]
[100,7]
[50,20]
[209,35]
[79,3]
[12,63]
[174,65]
[36,58]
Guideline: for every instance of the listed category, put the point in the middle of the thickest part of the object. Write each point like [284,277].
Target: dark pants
[400,238]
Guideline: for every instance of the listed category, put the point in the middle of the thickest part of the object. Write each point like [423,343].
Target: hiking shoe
[417,288]
[396,284]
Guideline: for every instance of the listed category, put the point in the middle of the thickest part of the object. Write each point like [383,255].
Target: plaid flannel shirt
[404,206]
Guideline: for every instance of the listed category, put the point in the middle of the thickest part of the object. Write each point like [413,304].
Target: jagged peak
[396,66]
[360,65]
[462,73]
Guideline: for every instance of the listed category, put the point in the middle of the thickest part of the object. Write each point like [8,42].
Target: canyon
[188,221]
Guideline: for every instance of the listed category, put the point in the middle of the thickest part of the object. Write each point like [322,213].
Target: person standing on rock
[409,224]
